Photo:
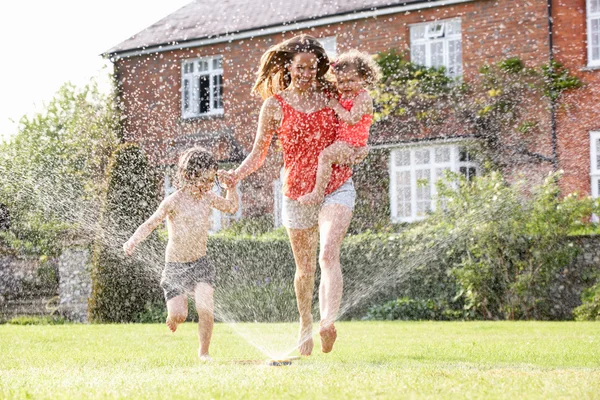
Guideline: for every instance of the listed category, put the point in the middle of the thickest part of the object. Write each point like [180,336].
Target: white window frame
[193,69]
[432,168]
[595,163]
[591,16]
[278,199]
[437,36]
[329,43]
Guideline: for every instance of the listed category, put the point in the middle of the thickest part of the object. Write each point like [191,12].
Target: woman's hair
[193,163]
[273,75]
[363,63]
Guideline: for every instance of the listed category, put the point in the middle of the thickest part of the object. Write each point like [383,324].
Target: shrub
[37,320]
[407,309]
[589,310]
[122,286]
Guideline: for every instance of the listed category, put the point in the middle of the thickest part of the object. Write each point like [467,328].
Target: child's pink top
[357,134]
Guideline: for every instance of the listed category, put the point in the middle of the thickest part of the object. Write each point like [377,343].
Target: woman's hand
[228,178]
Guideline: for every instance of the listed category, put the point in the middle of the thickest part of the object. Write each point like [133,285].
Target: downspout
[552,93]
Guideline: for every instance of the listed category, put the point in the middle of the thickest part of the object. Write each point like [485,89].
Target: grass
[371,360]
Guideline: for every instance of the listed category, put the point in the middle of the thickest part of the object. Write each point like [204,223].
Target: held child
[354,72]
[187,269]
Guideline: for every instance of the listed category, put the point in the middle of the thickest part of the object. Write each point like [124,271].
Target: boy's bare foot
[310,198]
[305,341]
[328,336]
[204,357]
[173,323]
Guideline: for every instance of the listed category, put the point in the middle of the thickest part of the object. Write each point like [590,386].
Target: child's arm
[363,104]
[230,203]
[147,227]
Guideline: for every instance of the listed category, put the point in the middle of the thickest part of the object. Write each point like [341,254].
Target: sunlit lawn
[371,360]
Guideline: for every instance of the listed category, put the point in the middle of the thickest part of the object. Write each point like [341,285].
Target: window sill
[590,68]
[202,117]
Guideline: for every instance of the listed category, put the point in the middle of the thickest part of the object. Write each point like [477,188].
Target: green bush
[122,286]
[407,309]
[37,320]
[589,310]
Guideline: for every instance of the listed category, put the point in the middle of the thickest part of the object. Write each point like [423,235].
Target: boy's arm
[363,104]
[147,227]
[229,204]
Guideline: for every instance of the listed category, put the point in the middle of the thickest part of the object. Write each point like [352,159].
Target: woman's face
[303,70]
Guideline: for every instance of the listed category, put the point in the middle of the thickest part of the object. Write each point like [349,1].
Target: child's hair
[193,163]
[273,75]
[362,63]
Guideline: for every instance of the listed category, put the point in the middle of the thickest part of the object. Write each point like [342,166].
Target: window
[330,45]
[218,219]
[593,30]
[278,199]
[438,44]
[414,171]
[202,87]
[595,163]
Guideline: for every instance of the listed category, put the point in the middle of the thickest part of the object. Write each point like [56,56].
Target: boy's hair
[273,75]
[193,163]
[362,63]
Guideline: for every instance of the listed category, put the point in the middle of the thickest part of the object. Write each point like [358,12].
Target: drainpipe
[552,101]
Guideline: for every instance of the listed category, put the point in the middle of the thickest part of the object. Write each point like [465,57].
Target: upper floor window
[414,172]
[329,43]
[202,87]
[593,30]
[438,44]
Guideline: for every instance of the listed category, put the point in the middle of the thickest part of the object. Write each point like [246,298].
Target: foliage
[589,310]
[37,320]
[122,286]
[505,105]
[408,309]
[256,225]
[53,169]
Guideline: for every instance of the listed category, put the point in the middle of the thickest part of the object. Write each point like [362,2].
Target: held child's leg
[337,153]
[177,311]
[203,296]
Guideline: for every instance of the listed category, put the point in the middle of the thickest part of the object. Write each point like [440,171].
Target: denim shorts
[181,278]
[295,215]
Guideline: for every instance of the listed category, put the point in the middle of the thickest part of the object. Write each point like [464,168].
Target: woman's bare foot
[305,341]
[204,357]
[328,336]
[173,323]
[310,198]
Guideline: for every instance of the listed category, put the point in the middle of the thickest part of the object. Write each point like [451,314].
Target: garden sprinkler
[281,362]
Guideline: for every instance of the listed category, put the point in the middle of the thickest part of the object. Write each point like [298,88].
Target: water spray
[281,362]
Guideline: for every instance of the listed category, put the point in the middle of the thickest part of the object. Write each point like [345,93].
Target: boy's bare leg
[336,153]
[304,247]
[334,220]
[203,296]
[177,311]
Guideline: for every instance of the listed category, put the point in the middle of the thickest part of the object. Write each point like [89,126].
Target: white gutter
[284,28]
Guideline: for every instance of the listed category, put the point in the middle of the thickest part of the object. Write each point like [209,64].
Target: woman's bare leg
[177,311]
[334,220]
[203,296]
[304,246]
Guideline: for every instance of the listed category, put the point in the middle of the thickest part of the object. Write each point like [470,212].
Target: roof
[210,18]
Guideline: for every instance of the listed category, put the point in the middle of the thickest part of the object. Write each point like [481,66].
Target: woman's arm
[363,104]
[147,227]
[268,122]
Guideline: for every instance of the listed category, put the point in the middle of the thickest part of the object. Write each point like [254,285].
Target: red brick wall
[492,31]
[579,110]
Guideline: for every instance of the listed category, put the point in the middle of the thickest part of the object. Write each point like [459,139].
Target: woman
[291,79]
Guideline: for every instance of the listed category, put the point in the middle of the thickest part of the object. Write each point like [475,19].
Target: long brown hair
[273,75]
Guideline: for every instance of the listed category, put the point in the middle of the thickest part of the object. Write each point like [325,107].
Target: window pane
[186,94]
[440,172]
[454,58]
[422,156]
[402,158]
[437,54]
[217,63]
[217,92]
[417,54]
[453,28]
[442,154]
[463,154]
[417,32]
[202,66]
[204,93]
[594,6]
[435,30]
[403,194]
[598,154]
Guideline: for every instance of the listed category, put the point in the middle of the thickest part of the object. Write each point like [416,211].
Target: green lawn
[371,360]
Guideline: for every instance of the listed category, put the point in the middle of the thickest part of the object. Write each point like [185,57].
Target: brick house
[187,80]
